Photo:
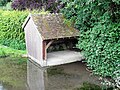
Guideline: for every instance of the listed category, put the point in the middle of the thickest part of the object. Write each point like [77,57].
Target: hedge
[11,32]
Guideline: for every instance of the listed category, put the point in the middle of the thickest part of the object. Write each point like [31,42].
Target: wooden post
[45,47]
[44,51]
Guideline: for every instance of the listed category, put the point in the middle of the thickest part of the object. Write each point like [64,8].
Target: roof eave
[77,36]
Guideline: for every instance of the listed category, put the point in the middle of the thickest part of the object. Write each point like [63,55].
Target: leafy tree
[50,5]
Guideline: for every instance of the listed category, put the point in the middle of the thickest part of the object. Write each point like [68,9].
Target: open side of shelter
[49,41]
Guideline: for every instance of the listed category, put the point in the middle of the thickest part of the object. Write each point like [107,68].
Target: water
[21,74]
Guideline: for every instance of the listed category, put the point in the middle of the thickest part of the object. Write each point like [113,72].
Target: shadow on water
[20,74]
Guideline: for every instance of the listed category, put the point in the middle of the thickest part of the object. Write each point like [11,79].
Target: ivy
[99,25]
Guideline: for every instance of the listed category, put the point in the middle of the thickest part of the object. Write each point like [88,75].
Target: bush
[7,7]
[4,2]
[50,5]
[99,25]
[11,32]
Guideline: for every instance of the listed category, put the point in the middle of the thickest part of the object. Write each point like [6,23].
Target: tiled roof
[52,26]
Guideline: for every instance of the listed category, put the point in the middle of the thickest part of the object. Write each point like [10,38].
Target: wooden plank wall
[33,41]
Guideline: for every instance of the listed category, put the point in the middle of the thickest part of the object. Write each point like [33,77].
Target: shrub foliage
[99,25]
[11,32]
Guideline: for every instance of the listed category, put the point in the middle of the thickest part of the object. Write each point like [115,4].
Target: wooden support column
[44,51]
[45,47]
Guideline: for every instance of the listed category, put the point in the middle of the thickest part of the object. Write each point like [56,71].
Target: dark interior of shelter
[63,44]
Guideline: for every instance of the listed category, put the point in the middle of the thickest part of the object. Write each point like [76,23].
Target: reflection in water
[63,77]
[13,73]
[1,87]
[35,77]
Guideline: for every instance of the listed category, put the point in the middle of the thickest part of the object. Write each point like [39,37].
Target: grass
[7,51]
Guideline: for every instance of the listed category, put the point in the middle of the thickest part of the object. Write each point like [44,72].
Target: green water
[21,74]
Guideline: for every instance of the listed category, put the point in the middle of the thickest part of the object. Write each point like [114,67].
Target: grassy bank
[7,51]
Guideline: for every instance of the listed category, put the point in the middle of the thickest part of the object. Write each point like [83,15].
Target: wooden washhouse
[49,41]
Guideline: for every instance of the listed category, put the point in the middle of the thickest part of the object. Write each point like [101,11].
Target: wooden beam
[49,44]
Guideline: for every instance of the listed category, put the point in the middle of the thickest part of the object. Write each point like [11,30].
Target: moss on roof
[52,26]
